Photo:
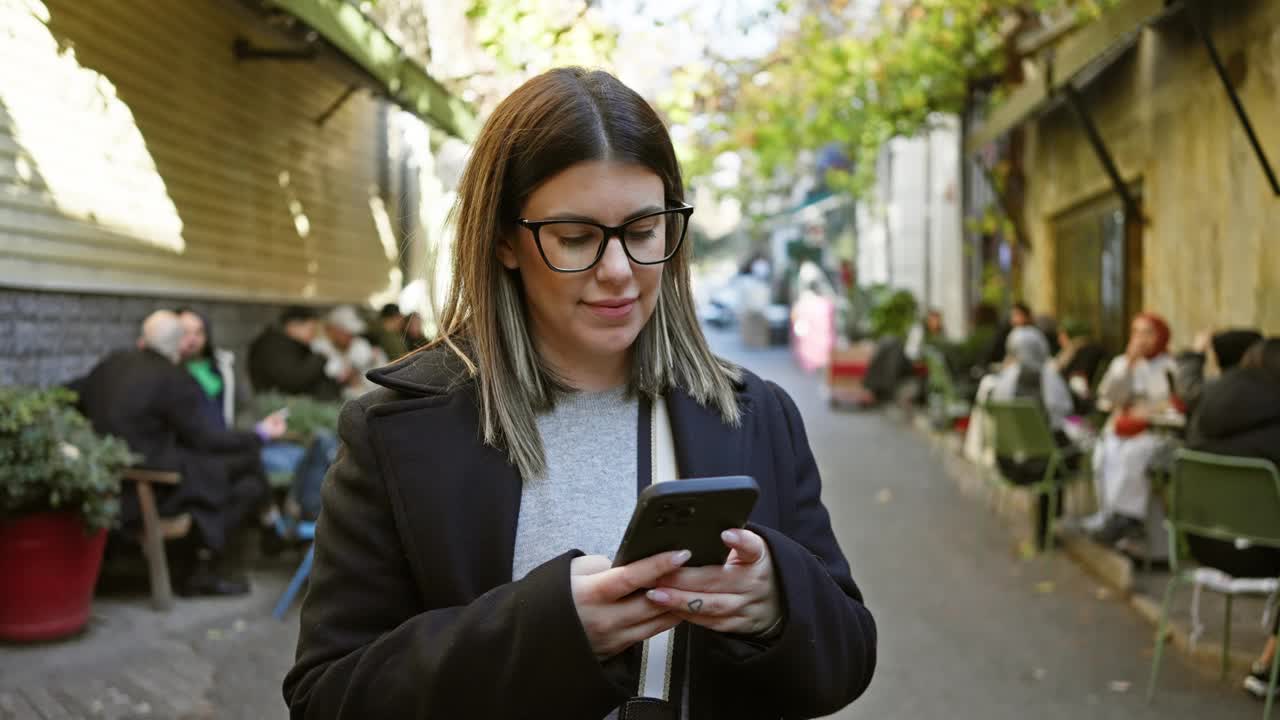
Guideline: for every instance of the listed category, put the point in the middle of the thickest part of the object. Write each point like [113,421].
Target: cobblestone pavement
[967,630]
[205,659]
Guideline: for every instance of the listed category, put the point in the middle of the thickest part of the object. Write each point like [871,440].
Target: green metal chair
[1020,431]
[945,402]
[1223,498]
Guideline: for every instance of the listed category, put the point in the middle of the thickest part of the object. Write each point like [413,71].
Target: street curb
[1111,568]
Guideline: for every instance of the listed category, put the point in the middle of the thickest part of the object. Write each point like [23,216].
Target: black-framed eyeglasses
[577,245]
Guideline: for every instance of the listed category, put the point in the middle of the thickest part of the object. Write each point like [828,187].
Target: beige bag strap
[656,656]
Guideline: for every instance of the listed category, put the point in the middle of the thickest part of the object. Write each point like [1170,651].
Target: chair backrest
[1021,429]
[1226,497]
[939,373]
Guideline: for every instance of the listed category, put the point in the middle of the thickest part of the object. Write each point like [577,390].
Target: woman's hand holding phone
[613,613]
[740,596]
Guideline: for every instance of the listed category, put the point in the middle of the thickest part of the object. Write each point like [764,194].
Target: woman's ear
[506,252]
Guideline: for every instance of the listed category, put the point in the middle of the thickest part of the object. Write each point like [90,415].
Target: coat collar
[435,370]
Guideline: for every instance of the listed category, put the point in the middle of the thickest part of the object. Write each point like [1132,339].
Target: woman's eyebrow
[587,218]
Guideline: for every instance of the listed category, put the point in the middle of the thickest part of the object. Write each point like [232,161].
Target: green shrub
[891,311]
[307,416]
[51,459]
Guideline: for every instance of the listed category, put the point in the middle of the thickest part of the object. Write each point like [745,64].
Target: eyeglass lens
[575,246]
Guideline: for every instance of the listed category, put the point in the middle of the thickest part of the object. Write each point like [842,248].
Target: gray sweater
[585,499]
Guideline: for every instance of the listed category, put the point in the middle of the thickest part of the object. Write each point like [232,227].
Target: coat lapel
[705,445]
[460,498]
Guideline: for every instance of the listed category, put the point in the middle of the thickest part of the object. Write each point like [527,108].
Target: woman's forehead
[604,191]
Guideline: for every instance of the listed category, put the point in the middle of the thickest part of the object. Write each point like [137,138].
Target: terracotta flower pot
[48,568]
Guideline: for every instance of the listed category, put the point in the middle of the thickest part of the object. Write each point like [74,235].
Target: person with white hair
[349,355]
[144,397]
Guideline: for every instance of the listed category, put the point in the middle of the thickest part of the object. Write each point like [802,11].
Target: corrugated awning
[404,80]
[1076,60]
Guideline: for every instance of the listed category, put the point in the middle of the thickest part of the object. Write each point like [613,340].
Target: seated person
[968,357]
[1027,374]
[348,356]
[1019,316]
[1048,325]
[1136,387]
[281,359]
[1227,348]
[415,335]
[389,333]
[927,332]
[212,368]
[143,397]
[1078,362]
[1239,414]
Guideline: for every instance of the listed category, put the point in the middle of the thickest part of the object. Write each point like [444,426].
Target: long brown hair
[556,120]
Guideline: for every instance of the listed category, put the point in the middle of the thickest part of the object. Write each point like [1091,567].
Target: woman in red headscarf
[1135,388]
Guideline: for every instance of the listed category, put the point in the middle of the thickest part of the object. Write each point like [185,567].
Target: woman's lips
[612,309]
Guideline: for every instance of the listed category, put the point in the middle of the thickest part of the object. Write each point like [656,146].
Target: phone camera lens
[687,511]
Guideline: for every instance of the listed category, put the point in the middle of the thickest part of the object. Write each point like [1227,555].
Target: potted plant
[59,492]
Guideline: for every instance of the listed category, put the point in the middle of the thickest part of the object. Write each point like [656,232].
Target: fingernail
[681,557]
[729,536]
[658,596]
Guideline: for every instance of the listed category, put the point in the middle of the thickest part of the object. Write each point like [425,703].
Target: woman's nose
[614,265]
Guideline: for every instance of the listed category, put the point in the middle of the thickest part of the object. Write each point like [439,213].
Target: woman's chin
[608,341]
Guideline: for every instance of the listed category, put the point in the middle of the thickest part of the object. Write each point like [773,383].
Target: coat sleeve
[826,654]
[369,648]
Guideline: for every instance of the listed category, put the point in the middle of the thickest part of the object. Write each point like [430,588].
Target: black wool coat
[412,612]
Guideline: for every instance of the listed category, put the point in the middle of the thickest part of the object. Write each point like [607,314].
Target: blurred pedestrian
[468,522]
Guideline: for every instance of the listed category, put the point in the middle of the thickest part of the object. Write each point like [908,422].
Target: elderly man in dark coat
[143,397]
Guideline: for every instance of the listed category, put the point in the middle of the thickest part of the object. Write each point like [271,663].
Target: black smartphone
[688,515]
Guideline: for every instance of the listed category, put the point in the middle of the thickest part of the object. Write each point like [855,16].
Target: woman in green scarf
[209,368]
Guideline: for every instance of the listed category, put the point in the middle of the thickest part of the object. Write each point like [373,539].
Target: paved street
[966,629]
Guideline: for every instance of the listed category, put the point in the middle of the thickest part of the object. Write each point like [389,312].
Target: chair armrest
[151,476]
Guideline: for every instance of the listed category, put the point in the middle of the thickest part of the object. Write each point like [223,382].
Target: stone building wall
[48,338]
[1210,252]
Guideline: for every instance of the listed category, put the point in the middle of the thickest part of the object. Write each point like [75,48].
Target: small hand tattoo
[695,605]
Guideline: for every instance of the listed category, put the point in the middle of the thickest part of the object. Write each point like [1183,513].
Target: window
[1098,268]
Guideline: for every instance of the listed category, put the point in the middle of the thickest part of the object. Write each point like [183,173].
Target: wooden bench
[156,530]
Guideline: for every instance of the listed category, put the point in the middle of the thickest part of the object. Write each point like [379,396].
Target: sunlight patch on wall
[386,236]
[76,136]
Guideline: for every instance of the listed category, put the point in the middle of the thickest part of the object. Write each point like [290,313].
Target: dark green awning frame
[368,46]
[1077,57]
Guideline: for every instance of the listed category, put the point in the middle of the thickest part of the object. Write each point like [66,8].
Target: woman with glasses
[463,557]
